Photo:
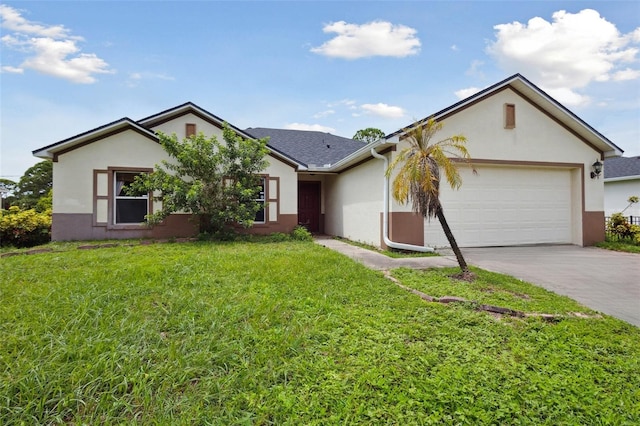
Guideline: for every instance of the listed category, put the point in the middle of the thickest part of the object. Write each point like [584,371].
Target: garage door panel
[507,206]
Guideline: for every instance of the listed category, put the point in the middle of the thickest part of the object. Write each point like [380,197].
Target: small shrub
[24,228]
[278,237]
[300,233]
[204,236]
[619,228]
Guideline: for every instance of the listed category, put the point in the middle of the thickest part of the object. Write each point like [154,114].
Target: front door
[309,205]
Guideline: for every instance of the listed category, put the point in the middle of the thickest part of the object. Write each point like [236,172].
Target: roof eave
[359,155]
[622,178]
[48,152]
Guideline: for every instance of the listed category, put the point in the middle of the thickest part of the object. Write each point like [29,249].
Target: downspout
[385,221]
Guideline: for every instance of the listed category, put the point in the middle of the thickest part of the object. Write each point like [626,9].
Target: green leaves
[207,177]
[368,135]
[420,164]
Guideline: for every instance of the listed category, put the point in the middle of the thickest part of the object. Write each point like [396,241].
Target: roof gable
[52,151]
[184,109]
[145,127]
[541,100]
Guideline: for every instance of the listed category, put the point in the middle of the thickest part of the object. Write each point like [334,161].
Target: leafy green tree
[34,184]
[368,135]
[419,175]
[217,181]
[45,203]
[7,192]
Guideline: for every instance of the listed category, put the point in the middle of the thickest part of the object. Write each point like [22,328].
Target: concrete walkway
[606,281]
[380,262]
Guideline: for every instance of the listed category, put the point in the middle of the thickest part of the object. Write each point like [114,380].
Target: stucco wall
[178,126]
[73,172]
[536,141]
[288,185]
[616,195]
[354,202]
[536,138]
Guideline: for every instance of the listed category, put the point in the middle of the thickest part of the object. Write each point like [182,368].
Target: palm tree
[419,175]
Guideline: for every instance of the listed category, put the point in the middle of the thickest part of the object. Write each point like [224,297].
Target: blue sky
[68,67]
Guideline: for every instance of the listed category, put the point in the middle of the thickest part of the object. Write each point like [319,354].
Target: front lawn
[626,246]
[292,333]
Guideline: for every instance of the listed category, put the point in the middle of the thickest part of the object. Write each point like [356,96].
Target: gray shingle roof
[621,166]
[308,147]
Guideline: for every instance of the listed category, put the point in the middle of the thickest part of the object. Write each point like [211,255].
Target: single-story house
[533,184]
[621,180]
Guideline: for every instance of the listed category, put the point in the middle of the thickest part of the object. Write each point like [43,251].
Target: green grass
[490,288]
[290,333]
[393,253]
[620,246]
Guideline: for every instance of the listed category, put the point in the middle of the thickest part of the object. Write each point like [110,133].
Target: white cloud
[313,127]
[136,77]
[454,48]
[50,49]
[465,93]
[325,113]
[626,74]
[566,54]
[383,110]
[343,102]
[12,70]
[13,21]
[378,38]
[474,68]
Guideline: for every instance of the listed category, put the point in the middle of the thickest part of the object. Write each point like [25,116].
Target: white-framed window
[129,208]
[261,214]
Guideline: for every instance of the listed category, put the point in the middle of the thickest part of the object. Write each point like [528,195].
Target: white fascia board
[622,178]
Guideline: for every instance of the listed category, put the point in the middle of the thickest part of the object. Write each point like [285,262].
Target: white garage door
[502,206]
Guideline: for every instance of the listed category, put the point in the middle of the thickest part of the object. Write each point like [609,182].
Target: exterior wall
[282,199]
[78,226]
[73,172]
[287,188]
[354,203]
[537,140]
[404,227]
[178,126]
[616,194]
[82,187]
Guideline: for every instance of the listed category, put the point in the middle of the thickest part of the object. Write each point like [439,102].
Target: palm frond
[421,163]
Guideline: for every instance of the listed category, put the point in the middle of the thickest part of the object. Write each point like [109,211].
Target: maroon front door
[309,205]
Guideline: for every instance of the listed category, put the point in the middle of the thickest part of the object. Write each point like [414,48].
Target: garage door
[502,206]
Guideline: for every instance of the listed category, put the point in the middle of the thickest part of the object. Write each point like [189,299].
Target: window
[509,116]
[190,129]
[260,215]
[130,208]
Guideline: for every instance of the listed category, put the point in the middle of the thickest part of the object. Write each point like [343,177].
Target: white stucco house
[533,184]
[621,180]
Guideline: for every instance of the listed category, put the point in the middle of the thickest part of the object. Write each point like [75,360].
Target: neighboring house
[533,159]
[621,180]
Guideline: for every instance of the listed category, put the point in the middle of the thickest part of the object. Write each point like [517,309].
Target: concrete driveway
[603,280]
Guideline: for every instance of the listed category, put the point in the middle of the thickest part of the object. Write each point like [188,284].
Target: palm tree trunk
[452,240]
